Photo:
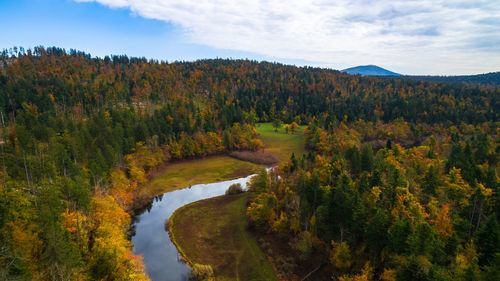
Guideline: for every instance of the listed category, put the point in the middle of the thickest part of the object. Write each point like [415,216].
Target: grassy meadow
[281,144]
[213,232]
[185,173]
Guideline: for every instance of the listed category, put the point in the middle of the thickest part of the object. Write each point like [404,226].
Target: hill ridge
[370,70]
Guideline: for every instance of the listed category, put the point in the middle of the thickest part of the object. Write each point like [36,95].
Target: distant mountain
[491,79]
[370,70]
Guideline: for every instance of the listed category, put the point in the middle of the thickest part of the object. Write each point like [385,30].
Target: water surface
[152,241]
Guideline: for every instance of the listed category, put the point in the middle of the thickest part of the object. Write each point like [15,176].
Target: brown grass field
[213,232]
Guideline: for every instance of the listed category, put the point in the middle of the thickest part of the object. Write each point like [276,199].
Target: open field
[213,232]
[190,172]
[257,157]
[281,144]
[184,173]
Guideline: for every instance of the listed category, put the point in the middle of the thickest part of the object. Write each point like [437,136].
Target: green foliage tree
[488,240]
[431,180]
[376,232]
[398,235]
[69,120]
[341,256]
[276,124]
[367,158]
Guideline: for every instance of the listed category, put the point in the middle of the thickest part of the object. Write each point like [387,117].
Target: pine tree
[488,240]
[276,124]
[367,158]
[431,180]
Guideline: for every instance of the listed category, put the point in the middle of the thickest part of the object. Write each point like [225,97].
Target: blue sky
[412,37]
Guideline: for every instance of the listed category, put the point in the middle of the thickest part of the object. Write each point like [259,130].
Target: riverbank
[180,174]
[184,173]
[213,232]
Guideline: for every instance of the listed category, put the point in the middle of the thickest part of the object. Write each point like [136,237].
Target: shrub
[234,188]
[167,224]
[303,244]
[201,272]
[341,256]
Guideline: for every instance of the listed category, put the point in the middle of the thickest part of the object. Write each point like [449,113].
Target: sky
[426,37]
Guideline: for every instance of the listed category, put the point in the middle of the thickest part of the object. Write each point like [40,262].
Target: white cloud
[427,36]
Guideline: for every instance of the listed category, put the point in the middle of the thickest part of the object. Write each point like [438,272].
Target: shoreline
[144,197]
[219,238]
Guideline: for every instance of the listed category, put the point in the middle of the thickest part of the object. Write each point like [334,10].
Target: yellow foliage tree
[340,256]
[365,275]
[287,128]
[111,244]
[122,188]
[78,225]
[294,127]
[388,275]
[443,222]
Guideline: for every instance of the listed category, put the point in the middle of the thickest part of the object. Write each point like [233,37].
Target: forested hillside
[359,210]
[487,79]
[80,134]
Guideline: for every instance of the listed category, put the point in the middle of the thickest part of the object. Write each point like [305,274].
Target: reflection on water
[152,241]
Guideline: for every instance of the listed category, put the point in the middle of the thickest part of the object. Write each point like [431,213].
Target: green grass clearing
[190,172]
[185,173]
[281,144]
[213,232]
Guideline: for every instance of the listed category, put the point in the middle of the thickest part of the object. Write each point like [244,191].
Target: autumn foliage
[387,157]
[392,212]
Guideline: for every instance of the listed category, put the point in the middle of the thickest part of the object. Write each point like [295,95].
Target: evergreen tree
[276,124]
[431,180]
[354,158]
[488,240]
[398,235]
[367,158]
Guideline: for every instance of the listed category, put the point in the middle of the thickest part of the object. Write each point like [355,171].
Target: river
[152,241]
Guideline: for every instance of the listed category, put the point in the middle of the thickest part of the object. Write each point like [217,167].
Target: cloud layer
[427,36]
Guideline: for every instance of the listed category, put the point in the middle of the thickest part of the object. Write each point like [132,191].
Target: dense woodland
[401,179]
[487,79]
[420,212]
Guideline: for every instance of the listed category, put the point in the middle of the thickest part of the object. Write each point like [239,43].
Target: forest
[371,211]
[400,181]
[491,79]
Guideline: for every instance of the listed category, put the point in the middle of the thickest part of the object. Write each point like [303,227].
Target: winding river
[152,241]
